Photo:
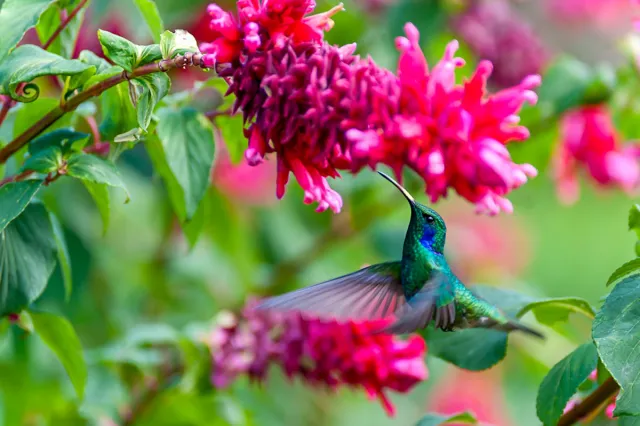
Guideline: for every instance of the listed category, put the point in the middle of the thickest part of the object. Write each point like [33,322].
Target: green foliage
[16,17]
[564,85]
[148,90]
[551,311]
[149,11]
[66,140]
[562,382]
[28,62]
[438,419]
[64,259]
[94,169]
[630,268]
[14,198]
[177,43]
[58,334]
[183,156]
[125,53]
[27,258]
[616,332]
[44,161]
[230,127]
[64,43]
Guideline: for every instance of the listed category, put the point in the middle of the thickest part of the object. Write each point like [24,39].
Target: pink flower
[495,32]
[252,185]
[327,353]
[609,410]
[604,13]
[321,109]
[477,392]
[589,140]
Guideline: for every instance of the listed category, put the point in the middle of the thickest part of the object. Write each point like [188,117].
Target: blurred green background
[142,277]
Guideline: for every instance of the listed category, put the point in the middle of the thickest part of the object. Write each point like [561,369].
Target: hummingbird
[416,290]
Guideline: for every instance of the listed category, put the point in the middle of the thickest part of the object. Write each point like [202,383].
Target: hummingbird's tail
[512,325]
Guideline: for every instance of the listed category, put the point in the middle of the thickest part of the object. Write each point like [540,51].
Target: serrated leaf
[149,11]
[100,194]
[477,349]
[187,148]
[149,90]
[125,53]
[616,332]
[564,85]
[45,161]
[630,268]
[16,17]
[550,311]
[14,198]
[63,255]
[65,139]
[27,258]
[95,169]
[439,419]
[177,43]
[562,382]
[231,129]
[29,62]
[58,334]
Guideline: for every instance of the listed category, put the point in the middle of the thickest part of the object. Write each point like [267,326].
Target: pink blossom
[322,109]
[477,392]
[252,185]
[495,32]
[609,410]
[601,12]
[589,141]
[324,353]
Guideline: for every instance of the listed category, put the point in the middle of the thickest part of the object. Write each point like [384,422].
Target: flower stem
[64,24]
[16,178]
[591,403]
[74,101]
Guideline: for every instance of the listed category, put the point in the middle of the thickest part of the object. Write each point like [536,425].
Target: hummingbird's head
[426,226]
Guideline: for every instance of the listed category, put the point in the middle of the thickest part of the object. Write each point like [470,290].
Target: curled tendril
[30,93]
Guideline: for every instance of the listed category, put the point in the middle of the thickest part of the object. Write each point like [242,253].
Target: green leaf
[63,255]
[149,90]
[125,53]
[616,332]
[27,258]
[186,148]
[14,198]
[634,218]
[563,85]
[58,334]
[630,268]
[477,349]
[16,17]
[193,228]
[562,382]
[550,311]
[117,112]
[133,135]
[100,194]
[44,161]
[90,58]
[178,43]
[231,129]
[65,42]
[28,62]
[151,15]
[112,71]
[94,169]
[439,419]
[66,140]
[628,421]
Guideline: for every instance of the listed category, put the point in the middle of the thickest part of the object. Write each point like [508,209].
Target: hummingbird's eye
[429,218]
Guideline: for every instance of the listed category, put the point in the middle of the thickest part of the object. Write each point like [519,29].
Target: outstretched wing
[435,301]
[373,292]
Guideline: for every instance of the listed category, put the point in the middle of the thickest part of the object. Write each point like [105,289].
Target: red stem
[64,24]
[16,178]
[6,106]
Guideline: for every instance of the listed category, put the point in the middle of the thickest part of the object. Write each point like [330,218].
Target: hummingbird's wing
[373,292]
[434,301]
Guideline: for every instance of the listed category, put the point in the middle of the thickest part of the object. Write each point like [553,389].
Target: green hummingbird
[416,290]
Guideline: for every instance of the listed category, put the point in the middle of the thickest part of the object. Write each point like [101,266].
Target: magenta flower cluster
[324,353]
[495,32]
[321,109]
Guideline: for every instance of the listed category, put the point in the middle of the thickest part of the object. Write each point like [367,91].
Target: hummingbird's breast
[418,265]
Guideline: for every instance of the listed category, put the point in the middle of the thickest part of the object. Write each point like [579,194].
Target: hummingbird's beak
[397,185]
